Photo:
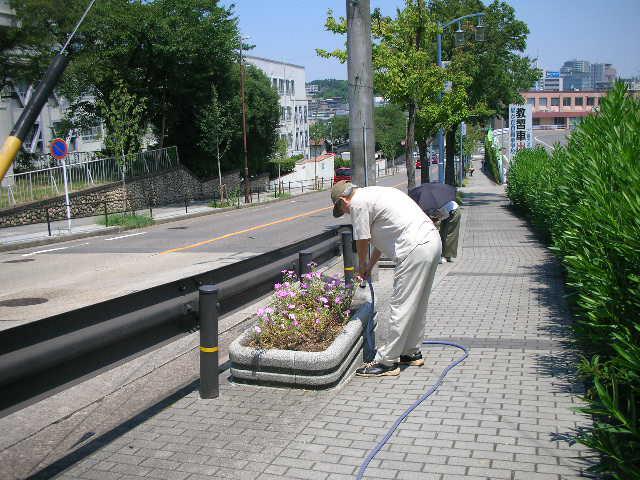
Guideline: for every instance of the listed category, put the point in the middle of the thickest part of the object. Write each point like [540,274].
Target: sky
[605,31]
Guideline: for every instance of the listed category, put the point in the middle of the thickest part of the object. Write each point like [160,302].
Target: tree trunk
[450,170]
[408,155]
[425,163]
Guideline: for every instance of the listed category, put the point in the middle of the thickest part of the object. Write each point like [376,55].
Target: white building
[289,81]
[550,81]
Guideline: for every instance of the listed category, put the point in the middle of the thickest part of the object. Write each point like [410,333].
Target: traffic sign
[58,148]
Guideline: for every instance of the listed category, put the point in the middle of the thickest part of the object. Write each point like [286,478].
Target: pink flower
[261,312]
[304,285]
[296,323]
[338,300]
[277,286]
[291,306]
[324,300]
[257,329]
[317,321]
[282,293]
[347,313]
[268,310]
[292,316]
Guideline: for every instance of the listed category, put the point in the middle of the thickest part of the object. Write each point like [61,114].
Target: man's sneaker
[450,259]
[414,360]
[442,260]
[375,369]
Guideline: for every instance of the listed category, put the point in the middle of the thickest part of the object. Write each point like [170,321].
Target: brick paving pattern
[503,414]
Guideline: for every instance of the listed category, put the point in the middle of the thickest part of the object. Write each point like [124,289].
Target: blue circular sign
[59,148]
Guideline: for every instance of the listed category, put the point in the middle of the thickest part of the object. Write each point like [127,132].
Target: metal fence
[45,183]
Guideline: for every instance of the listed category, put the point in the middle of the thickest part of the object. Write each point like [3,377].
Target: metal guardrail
[39,357]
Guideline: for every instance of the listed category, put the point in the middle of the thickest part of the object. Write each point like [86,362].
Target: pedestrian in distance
[395,226]
[449,215]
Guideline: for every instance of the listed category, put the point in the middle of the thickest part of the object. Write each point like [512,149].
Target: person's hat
[340,189]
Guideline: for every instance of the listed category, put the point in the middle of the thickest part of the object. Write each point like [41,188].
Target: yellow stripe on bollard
[8,154]
[349,269]
[208,349]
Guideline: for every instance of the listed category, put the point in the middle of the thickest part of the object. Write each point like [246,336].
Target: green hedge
[586,199]
[491,160]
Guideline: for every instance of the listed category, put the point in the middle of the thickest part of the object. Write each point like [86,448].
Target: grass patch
[281,195]
[127,220]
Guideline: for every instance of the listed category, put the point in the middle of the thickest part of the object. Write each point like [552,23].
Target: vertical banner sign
[521,128]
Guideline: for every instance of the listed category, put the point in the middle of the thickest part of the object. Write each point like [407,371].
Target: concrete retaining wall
[163,188]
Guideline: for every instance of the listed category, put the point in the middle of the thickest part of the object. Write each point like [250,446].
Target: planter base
[314,370]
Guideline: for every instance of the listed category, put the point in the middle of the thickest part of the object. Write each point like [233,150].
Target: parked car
[342,173]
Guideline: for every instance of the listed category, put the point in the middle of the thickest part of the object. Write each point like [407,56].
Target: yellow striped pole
[208,310]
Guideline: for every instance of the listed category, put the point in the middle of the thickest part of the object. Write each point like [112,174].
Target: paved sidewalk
[504,413]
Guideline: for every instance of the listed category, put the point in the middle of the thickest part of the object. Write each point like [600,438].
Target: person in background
[449,215]
[397,227]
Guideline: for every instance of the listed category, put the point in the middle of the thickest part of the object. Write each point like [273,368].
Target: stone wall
[163,188]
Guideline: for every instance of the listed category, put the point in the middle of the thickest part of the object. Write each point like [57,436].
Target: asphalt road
[549,138]
[42,281]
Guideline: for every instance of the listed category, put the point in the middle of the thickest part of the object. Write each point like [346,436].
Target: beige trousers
[412,282]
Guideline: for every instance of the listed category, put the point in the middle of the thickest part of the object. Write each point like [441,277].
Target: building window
[293,87]
[555,101]
[591,101]
[579,101]
[280,86]
[92,133]
[542,101]
[566,102]
[531,101]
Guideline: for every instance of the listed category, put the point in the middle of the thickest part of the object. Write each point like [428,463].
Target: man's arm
[365,267]
[362,247]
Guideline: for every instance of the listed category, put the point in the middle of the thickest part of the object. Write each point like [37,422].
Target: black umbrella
[431,196]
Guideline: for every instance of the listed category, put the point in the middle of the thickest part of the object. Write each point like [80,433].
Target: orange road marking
[251,229]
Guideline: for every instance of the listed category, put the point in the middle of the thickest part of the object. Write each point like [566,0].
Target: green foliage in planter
[304,315]
[491,160]
[586,197]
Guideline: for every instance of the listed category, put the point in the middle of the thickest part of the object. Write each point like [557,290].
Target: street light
[459,39]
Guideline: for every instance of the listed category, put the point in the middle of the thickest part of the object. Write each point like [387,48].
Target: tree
[405,70]
[390,129]
[278,157]
[496,67]
[124,116]
[218,124]
[168,52]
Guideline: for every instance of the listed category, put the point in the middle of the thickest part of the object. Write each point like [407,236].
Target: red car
[342,173]
[418,164]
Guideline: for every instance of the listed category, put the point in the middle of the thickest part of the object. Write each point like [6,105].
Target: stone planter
[300,369]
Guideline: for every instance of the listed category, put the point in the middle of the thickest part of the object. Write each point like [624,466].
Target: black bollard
[347,257]
[106,215]
[305,257]
[208,304]
[48,220]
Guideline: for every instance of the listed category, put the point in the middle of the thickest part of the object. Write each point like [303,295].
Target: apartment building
[561,109]
[289,81]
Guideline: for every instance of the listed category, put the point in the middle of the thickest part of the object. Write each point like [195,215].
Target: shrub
[305,315]
[587,198]
[127,220]
[491,160]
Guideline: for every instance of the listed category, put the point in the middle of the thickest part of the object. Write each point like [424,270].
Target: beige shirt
[393,222]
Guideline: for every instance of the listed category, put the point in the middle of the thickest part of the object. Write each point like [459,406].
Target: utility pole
[360,75]
[247,197]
